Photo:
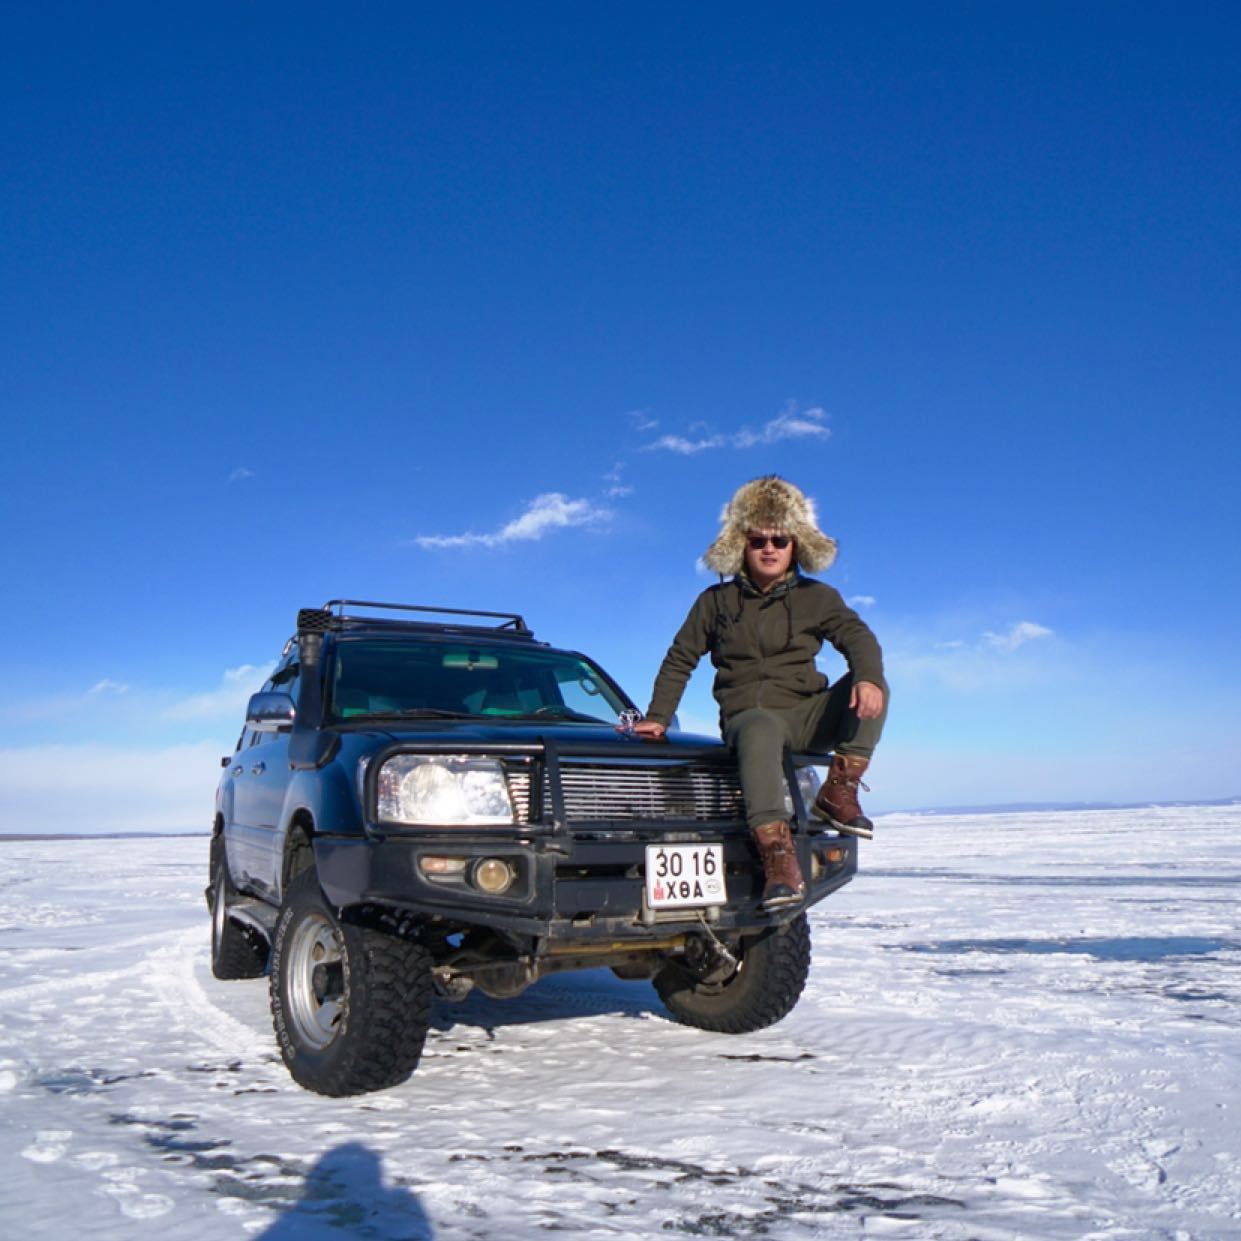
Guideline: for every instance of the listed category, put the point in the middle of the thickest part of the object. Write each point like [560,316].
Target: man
[763,629]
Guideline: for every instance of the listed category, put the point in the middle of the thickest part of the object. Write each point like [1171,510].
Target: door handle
[258,769]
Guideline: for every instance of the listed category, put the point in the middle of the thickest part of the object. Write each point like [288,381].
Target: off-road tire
[363,1031]
[766,985]
[236,952]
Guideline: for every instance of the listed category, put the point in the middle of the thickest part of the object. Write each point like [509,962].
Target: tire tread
[388,1012]
[755,998]
[240,952]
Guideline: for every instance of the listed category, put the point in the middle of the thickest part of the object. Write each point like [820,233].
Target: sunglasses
[758,541]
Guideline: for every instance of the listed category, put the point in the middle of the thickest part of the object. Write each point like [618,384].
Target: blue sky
[292,292]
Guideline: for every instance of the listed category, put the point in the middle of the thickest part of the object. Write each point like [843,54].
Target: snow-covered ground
[1019,1025]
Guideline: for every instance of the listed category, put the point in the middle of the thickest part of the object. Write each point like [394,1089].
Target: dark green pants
[823,723]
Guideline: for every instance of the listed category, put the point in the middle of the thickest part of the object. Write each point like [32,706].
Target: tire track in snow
[85,977]
[173,974]
[75,982]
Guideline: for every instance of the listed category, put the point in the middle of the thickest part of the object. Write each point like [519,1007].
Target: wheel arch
[299,849]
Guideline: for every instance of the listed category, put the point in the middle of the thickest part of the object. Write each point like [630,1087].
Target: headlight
[808,781]
[448,789]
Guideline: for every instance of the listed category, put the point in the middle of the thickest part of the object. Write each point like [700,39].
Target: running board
[257,915]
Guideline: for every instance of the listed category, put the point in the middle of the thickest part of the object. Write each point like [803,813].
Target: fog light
[441,865]
[492,875]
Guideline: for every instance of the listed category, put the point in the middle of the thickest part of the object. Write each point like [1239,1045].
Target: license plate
[682,876]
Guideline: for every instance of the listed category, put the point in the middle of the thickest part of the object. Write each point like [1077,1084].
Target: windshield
[384,677]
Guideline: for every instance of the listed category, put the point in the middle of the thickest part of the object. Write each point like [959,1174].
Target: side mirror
[267,713]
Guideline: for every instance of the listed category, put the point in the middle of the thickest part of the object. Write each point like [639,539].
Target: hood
[533,733]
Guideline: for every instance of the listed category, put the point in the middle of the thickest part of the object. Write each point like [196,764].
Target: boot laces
[851,782]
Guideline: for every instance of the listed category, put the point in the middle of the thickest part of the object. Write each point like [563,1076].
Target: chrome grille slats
[605,791]
[518,776]
[633,793]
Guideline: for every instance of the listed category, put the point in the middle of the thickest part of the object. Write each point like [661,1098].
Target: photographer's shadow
[345,1195]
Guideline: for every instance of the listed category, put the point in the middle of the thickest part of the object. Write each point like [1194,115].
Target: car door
[266,781]
[259,794]
[235,837]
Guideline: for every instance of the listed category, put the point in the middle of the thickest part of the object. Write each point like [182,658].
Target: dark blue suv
[417,807]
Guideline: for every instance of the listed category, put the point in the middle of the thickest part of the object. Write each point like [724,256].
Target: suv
[419,807]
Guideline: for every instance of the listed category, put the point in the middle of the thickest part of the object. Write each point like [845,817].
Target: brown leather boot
[837,800]
[784,885]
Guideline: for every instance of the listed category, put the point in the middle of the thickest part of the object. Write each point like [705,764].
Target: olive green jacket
[763,645]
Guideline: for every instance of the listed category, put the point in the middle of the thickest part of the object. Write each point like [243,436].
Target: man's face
[764,561]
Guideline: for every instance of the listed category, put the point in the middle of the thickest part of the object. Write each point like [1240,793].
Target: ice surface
[1017,1025]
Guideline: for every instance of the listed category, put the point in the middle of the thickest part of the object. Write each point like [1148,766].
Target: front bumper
[569,887]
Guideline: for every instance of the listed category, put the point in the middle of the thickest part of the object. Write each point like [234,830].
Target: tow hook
[722,963]
[450,986]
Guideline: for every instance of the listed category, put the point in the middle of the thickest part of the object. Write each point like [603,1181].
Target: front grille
[595,792]
[518,776]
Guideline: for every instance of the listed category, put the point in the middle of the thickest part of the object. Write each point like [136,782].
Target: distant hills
[1018,807]
[99,835]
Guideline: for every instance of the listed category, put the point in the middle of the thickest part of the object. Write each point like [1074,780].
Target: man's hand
[648,729]
[866,700]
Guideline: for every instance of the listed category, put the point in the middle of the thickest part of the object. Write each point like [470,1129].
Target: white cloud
[962,670]
[99,788]
[1016,635]
[552,511]
[861,601]
[108,686]
[981,666]
[228,699]
[240,474]
[791,424]
[642,421]
[686,447]
[786,426]
[617,488]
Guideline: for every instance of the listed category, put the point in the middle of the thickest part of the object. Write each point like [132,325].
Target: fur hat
[769,503]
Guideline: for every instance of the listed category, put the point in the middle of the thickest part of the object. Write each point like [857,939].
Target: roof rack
[510,620]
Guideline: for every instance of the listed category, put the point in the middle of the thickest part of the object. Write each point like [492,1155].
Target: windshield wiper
[412,713]
[554,713]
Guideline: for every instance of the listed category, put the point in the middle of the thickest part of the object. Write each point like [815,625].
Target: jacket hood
[777,591]
[769,503]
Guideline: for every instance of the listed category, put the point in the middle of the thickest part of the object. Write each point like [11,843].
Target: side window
[285,681]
